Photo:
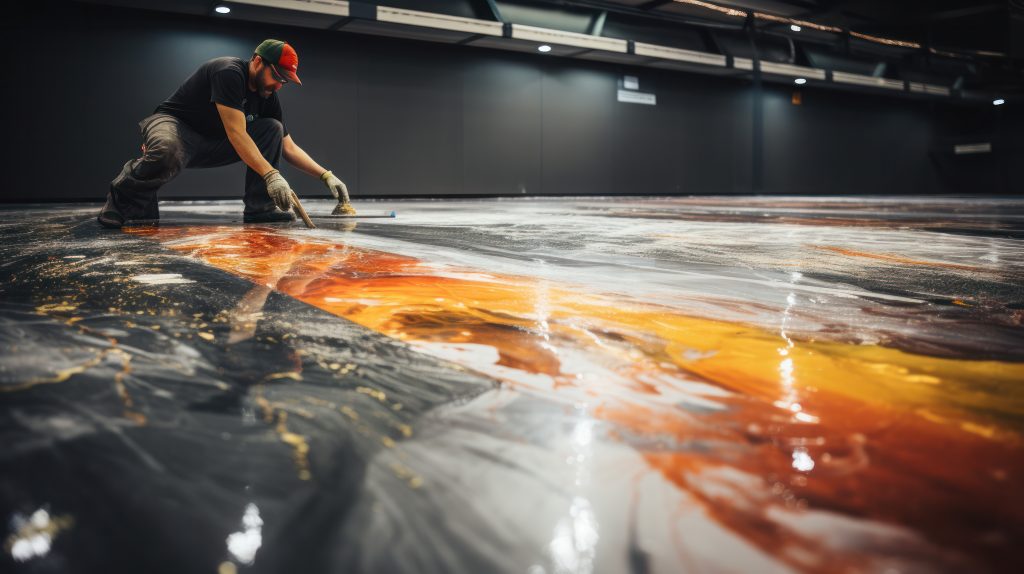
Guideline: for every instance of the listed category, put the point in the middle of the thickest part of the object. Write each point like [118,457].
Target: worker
[226,111]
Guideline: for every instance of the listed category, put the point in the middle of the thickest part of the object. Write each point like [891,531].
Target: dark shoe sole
[109,216]
[108,223]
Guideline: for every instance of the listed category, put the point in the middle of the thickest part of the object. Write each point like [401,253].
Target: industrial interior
[513,286]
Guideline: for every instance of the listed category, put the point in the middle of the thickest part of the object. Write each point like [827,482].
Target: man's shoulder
[226,63]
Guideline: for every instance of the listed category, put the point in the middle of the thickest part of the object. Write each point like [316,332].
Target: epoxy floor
[536,386]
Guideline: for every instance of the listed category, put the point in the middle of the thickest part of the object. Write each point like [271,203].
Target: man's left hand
[337,187]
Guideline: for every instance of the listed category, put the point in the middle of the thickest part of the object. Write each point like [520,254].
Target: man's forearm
[249,153]
[298,157]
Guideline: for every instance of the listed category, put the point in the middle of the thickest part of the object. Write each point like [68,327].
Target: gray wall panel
[502,127]
[410,126]
[833,140]
[647,142]
[578,131]
[694,141]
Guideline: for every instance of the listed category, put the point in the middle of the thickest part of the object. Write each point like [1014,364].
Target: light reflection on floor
[741,384]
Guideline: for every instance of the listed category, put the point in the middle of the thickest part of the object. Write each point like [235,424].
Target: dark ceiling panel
[821,58]
[547,16]
[631,3]
[655,32]
[279,16]
[461,8]
[197,7]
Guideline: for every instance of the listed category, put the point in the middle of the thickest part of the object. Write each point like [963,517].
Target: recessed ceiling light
[543,48]
[222,9]
[998,102]
[800,81]
[795,27]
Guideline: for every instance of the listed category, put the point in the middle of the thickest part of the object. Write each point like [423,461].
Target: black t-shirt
[222,81]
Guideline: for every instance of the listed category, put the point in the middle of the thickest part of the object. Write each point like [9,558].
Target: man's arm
[298,157]
[277,187]
[234,125]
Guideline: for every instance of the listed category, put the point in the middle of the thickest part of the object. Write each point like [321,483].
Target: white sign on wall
[962,149]
[631,97]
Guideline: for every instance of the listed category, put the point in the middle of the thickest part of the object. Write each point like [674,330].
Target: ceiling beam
[597,24]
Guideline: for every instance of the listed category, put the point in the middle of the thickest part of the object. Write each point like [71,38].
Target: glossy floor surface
[533,386]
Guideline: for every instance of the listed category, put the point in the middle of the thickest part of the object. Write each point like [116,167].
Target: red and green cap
[281,57]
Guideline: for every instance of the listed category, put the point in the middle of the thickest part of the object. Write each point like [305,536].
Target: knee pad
[160,161]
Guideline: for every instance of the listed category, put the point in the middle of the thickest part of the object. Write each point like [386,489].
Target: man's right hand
[278,189]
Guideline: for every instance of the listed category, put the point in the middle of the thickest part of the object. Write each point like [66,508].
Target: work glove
[278,190]
[339,191]
[337,187]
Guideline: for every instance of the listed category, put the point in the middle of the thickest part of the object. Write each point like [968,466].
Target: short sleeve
[227,87]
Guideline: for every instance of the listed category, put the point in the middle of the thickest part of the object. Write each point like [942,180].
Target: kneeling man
[227,111]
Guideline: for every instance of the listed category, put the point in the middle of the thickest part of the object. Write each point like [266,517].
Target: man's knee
[169,153]
[165,158]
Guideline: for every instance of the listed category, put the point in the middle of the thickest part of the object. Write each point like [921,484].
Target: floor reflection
[566,385]
[801,442]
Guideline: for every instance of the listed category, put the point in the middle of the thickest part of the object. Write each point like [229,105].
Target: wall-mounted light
[795,27]
[222,10]
[543,48]
[800,81]
[998,102]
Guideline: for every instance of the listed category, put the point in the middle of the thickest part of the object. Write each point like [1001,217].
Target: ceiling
[953,24]
[954,45]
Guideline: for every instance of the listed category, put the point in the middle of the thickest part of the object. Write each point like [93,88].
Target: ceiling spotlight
[222,9]
[543,48]
[998,102]
[795,27]
[800,81]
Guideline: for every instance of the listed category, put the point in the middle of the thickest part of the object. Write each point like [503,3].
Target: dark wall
[996,172]
[1012,135]
[854,143]
[395,117]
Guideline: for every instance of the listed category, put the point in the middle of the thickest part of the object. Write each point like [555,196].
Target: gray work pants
[171,145]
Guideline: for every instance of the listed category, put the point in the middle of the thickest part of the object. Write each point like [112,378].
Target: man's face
[267,80]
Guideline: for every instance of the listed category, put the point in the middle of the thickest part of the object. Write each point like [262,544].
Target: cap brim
[287,74]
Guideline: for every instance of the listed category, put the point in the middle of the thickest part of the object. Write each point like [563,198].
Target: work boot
[274,215]
[110,216]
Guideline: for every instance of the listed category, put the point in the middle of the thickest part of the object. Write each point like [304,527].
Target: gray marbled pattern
[162,415]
